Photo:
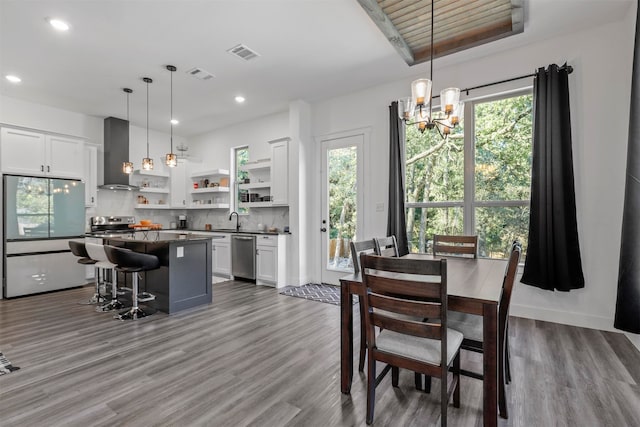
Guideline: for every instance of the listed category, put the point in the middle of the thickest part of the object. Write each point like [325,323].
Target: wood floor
[258,358]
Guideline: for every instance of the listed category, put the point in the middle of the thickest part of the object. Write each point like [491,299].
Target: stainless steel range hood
[116,151]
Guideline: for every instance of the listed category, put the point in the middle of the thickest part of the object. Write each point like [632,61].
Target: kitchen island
[184,278]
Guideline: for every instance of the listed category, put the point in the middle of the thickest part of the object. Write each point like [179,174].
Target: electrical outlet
[180,252]
[379,207]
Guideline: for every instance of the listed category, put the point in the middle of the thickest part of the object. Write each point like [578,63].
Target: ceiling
[309,50]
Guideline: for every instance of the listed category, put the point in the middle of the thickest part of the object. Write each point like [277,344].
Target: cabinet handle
[48,168]
[92,199]
[41,168]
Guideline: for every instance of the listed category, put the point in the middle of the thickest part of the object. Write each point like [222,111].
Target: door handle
[323,229]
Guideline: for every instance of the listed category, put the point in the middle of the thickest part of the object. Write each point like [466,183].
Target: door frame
[332,140]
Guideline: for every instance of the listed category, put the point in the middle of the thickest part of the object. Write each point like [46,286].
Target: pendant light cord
[171,118]
[431,66]
[147,119]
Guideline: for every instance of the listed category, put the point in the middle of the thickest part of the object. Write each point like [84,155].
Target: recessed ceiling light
[239,99]
[13,79]
[58,24]
[175,121]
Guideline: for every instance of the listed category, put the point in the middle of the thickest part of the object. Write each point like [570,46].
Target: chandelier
[418,109]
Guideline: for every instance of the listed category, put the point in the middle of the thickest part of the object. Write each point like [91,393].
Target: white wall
[600,87]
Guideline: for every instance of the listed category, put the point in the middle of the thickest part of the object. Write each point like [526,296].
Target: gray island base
[184,278]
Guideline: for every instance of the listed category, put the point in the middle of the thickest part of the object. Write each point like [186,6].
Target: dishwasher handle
[242,238]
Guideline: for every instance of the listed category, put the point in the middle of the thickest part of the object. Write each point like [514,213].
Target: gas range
[111,226]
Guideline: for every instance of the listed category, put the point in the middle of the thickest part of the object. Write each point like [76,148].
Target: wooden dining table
[473,286]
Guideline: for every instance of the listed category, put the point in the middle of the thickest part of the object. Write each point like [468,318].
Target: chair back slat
[404,286]
[455,245]
[418,309]
[366,246]
[386,246]
[415,266]
[433,331]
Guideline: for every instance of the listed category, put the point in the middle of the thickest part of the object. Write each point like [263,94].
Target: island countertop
[155,237]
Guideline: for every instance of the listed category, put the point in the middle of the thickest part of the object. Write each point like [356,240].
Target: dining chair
[386,246]
[366,246]
[416,288]
[471,327]
[466,246]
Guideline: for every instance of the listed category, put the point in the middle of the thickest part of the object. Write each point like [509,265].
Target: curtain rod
[569,69]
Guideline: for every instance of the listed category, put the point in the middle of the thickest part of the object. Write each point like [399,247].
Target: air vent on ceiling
[199,73]
[243,52]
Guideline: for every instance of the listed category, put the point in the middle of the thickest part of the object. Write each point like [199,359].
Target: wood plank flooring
[257,358]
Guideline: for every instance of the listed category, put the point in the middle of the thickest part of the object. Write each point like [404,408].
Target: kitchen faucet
[237,219]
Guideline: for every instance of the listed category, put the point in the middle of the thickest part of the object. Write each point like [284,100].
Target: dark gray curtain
[396,220]
[628,304]
[553,253]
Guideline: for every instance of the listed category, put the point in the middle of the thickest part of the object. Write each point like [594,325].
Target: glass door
[342,200]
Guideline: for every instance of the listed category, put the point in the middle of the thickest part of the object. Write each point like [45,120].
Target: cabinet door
[90,176]
[65,157]
[267,264]
[221,259]
[22,152]
[179,186]
[280,173]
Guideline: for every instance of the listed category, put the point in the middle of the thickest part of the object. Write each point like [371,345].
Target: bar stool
[132,262]
[96,252]
[79,250]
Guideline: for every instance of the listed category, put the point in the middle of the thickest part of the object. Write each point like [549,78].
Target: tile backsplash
[112,202]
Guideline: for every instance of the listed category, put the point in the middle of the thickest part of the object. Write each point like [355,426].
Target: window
[240,157]
[475,182]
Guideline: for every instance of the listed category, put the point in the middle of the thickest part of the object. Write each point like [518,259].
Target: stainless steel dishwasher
[243,256]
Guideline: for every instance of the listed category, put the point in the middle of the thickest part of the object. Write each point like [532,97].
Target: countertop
[155,237]
[228,230]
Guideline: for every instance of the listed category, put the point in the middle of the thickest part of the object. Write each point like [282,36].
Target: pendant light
[171,158]
[414,109]
[127,167]
[147,162]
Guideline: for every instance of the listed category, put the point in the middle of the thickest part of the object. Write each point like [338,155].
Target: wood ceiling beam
[388,29]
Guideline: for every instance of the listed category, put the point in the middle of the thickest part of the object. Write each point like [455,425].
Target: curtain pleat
[627,317]
[396,219]
[553,255]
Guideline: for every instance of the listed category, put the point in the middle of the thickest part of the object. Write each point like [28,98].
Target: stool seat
[87,261]
[128,261]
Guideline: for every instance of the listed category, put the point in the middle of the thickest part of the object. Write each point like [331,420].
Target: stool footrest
[145,296]
[126,289]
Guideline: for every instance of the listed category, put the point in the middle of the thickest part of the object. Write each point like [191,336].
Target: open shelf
[210,206]
[211,172]
[153,206]
[150,173]
[210,190]
[255,185]
[153,190]
[255,204]
[255,166]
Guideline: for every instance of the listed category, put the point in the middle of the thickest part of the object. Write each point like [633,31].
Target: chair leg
[395,376]
[363,336]
[418,380]
[444,398]
[114,304]
[502,399]
[508,357]
[456,378]
[427,384]
[371,388]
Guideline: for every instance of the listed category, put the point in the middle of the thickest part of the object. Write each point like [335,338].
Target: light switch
[380,207]
[180,253]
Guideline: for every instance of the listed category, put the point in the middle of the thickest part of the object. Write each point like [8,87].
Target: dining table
[474,286]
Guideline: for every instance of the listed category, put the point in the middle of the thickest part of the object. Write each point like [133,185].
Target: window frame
[469,204]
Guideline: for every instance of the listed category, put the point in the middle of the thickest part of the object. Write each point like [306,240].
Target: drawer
[220,238]
[267,240]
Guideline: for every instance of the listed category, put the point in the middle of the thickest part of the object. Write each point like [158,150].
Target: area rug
[5,366]
[320,292]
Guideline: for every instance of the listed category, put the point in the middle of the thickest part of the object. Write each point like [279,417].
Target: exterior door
[342,202]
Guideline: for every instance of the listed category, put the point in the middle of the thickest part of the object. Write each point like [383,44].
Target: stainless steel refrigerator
[40,216]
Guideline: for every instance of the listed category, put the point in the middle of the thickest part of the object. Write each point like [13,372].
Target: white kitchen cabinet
[33,153]
[221,255]
[179,185]
[280,172]
[90,176]
[271,260]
